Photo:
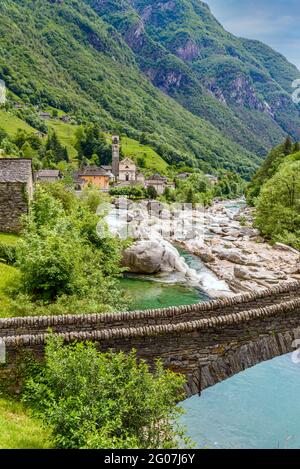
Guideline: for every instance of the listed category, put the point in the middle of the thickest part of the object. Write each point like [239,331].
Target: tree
[190,196]
[105,400]
[288,146]
[278,205]
[55,150]
[93,145]
[296,147]
[152,192]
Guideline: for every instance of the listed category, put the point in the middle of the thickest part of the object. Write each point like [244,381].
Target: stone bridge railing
[208,342]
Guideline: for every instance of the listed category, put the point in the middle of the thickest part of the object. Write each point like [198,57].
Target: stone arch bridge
[207,342]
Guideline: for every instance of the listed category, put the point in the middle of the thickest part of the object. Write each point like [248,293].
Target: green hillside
[66,57]
[243,87]
[66,134]
[11,123]
[143,155]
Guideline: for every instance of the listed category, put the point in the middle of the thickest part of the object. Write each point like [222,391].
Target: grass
[66,134]
[10,239]
[11,123]
[8,275]
[153,162]
[18,430]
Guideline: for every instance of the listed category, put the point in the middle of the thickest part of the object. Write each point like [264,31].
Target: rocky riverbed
[239,255]
[222,236]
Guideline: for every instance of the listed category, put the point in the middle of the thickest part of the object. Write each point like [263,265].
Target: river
[255,409]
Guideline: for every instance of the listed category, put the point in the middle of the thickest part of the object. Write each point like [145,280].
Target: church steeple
[115,155]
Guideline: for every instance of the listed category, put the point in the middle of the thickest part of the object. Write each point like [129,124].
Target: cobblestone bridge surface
[207,342]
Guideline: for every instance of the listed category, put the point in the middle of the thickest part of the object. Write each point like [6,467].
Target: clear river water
[258,408]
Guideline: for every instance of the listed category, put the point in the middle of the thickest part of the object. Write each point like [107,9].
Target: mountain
[163,71]
[243,87]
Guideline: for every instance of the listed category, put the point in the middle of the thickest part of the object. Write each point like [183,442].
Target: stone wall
[13,204]
[207,342]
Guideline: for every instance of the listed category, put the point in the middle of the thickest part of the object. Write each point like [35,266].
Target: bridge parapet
[91,322]
[206,347]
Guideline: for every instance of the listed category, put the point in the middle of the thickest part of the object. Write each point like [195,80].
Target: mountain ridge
[69,56]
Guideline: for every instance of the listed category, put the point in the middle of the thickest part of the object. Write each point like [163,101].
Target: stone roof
[127,161]
[157,177]
[15,169]
[93,171]
[106,167]
[48,173]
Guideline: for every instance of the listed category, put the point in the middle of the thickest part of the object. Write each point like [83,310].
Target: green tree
[296,147]
[278,206]
[152,193]
[288,146]
[105,400]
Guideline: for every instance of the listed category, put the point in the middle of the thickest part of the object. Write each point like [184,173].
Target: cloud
[275,22]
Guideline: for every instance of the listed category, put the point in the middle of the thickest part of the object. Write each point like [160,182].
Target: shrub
[105,400]
[7,253]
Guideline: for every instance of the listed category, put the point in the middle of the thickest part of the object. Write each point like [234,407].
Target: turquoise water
[163,290]
[256,409]
[152,294]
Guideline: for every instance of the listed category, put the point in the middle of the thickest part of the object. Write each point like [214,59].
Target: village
[17,180]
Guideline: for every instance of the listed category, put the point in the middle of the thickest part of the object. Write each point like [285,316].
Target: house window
[127,177]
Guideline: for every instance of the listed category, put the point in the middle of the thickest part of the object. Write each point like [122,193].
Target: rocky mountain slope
[243,87]
[165,71]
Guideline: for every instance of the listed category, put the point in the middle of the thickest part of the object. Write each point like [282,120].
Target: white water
[183,267]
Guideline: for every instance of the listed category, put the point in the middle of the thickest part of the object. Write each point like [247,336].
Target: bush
[8,253]
[133,192]
[50,264]
[278,208]
[105,400]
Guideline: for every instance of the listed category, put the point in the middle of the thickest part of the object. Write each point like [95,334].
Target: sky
[275,22]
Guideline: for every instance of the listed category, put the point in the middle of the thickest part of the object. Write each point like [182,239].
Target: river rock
[284,247]
[242,273]
[231,255]
[144,257]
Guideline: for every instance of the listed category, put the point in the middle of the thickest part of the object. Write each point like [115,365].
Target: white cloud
[275,22]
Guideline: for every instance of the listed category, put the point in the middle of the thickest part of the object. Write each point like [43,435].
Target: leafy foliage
[278,209]
[268,168]
[94,400]
[65,266]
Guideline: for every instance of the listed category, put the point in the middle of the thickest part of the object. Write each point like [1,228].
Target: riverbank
[237,254]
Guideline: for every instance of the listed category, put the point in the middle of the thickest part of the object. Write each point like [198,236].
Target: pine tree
[296,147]
[288,146]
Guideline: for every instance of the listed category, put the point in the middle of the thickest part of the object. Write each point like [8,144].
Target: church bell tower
[115,156]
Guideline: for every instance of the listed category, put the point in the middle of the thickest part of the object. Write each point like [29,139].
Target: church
[121,173]
[125,172]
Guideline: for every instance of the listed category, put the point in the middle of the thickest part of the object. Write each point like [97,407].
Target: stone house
[48,175]
[158,182]
[16,192]
[212,179]
[45,115]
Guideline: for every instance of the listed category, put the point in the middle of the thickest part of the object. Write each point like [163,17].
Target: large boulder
[151,257]
[284,247]
[143,257]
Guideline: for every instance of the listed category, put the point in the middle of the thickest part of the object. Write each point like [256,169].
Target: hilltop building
[16,192]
